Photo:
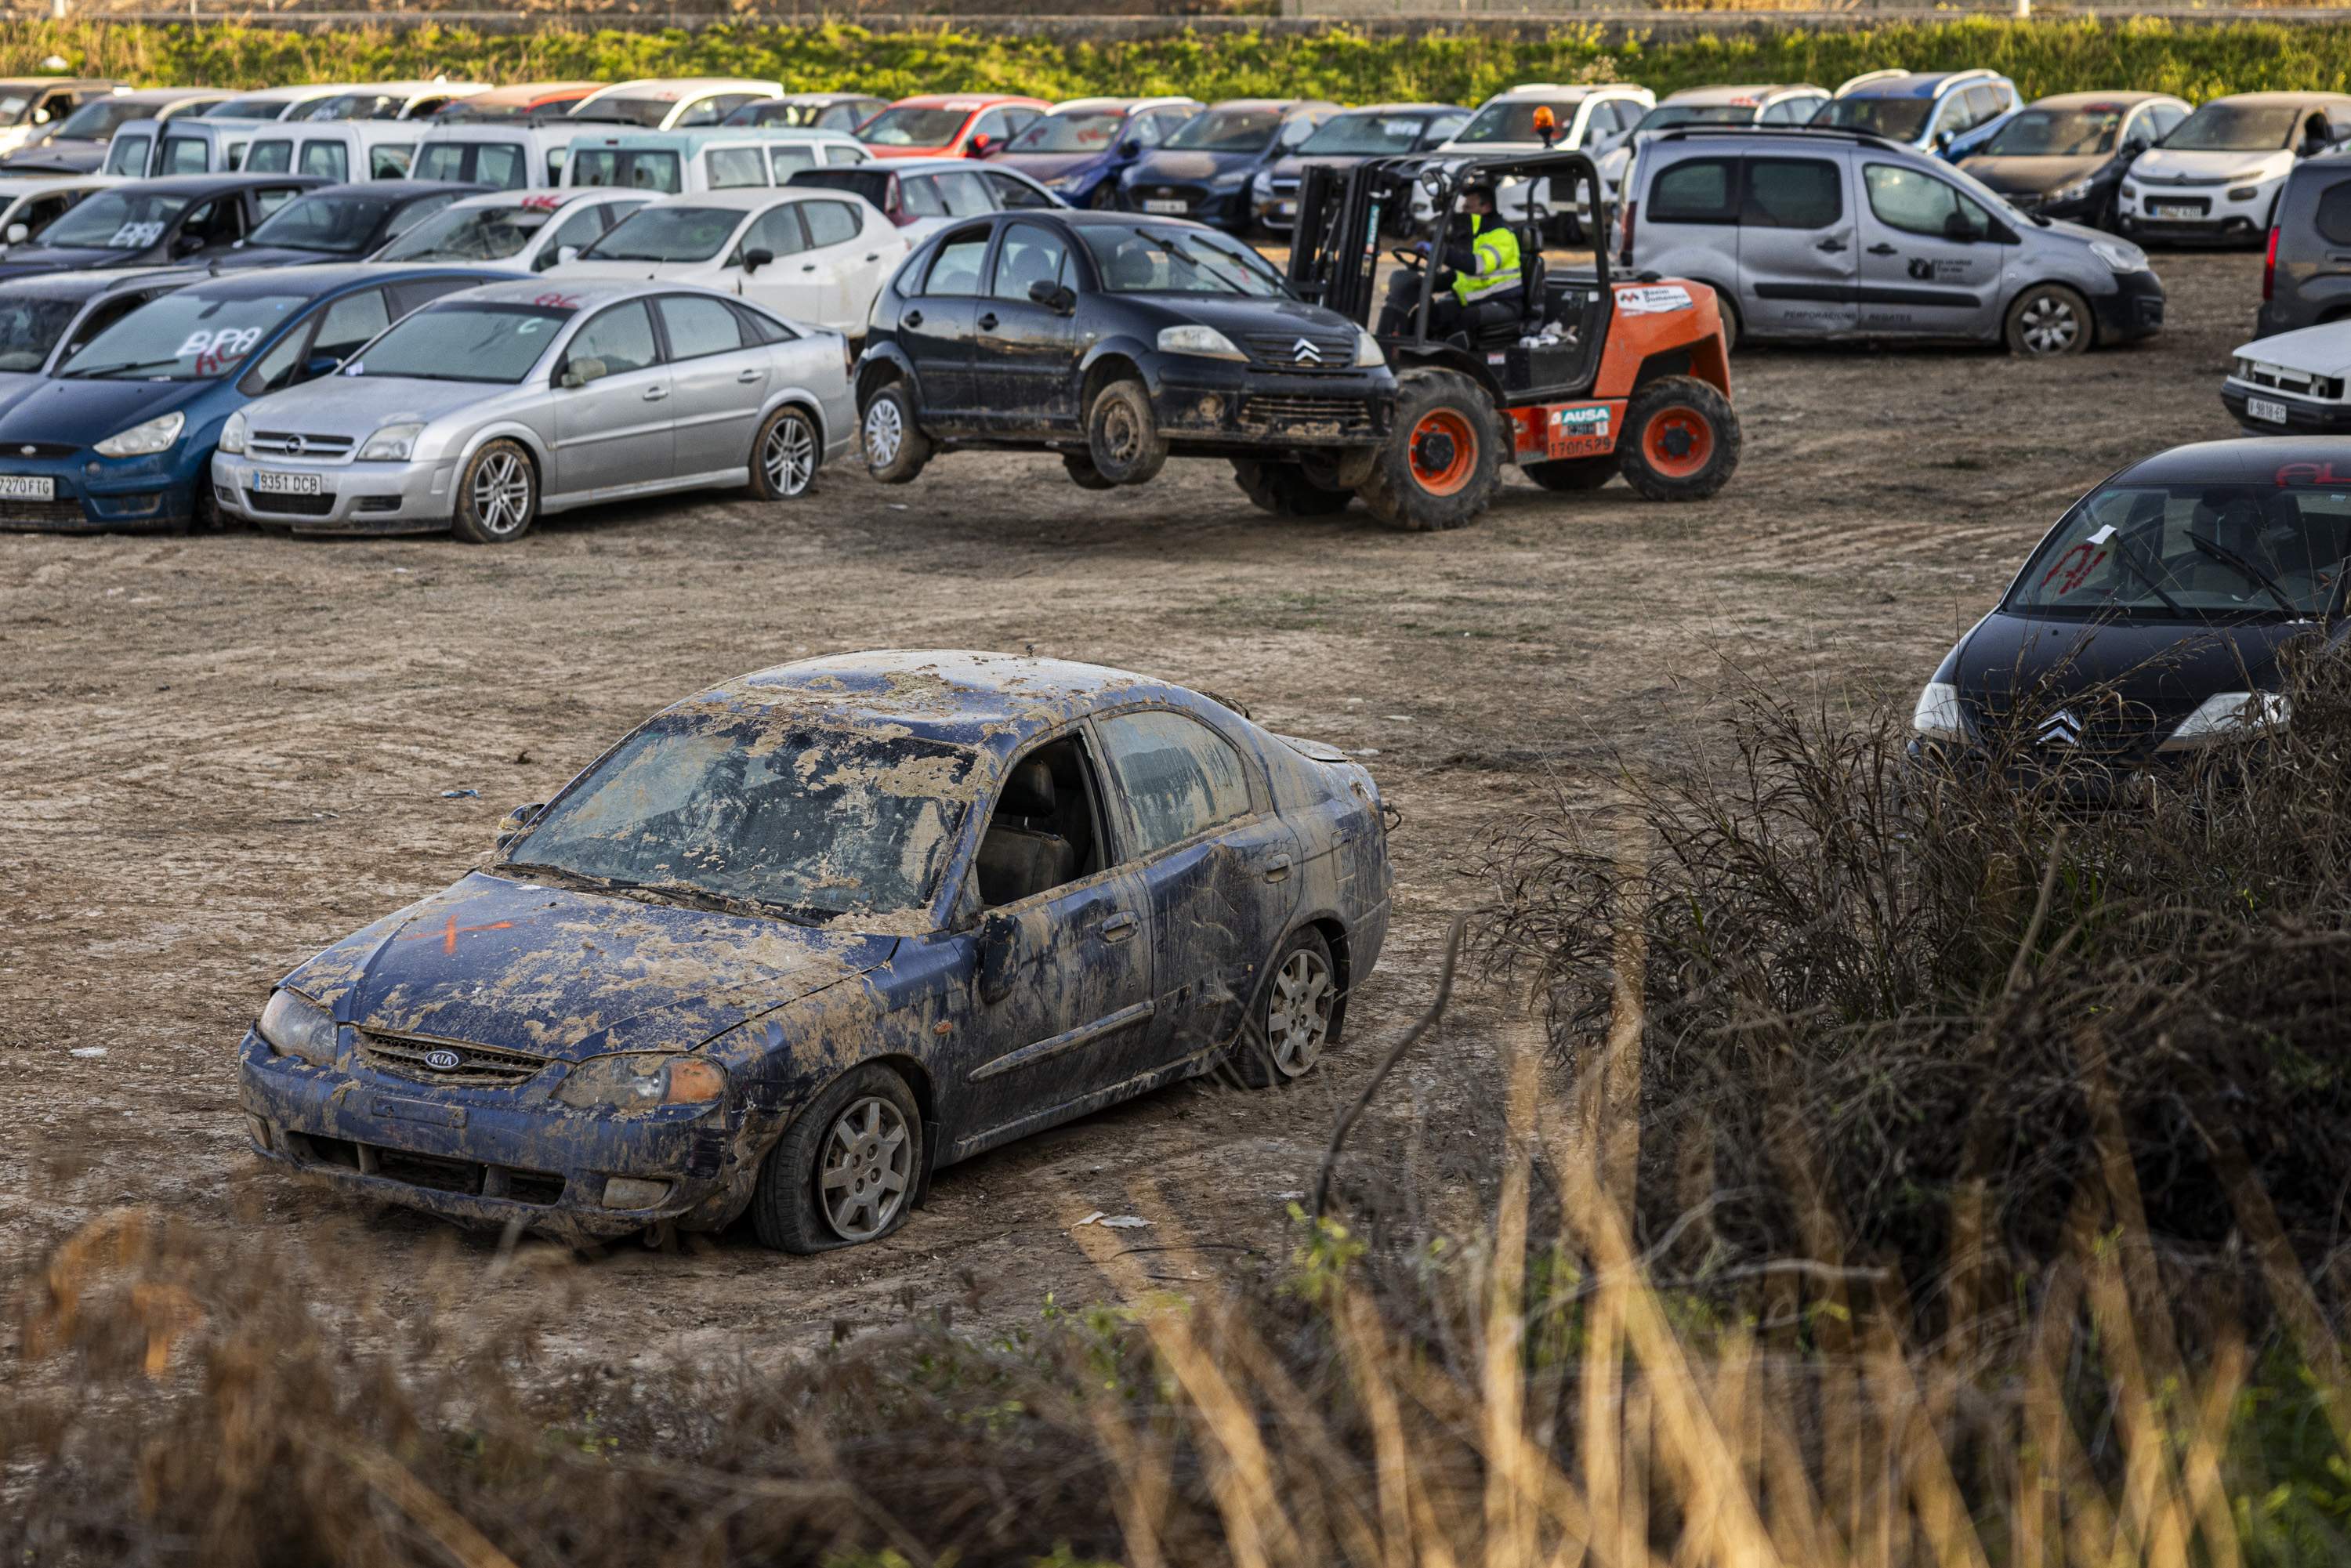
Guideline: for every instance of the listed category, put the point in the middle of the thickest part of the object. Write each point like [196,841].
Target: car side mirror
[319,365]
[1058,297]
[18,233]
[1956,227]
[979,146]
[1131,148]
[187,245]
[997,952]
[511,825]
[753,260]
[578,373]
[564,253]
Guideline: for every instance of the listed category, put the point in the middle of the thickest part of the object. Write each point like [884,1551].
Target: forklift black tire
[1123,435]
[895,446]
[1083,474]
[1444,461]
[1729,315]
[1680,441]
[1283,489]
[1568,475]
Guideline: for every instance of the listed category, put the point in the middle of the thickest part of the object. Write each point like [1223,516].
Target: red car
[519,100]
[949,125]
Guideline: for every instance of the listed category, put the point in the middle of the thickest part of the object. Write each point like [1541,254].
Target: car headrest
[1029,792]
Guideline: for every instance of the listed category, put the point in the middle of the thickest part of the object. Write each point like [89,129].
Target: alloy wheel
[2049,324]
[502,493]
[791,455]
[885,432]
[1297,1012]
[866,1169]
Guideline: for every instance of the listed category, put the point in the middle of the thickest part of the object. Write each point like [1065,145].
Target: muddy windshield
[2194,552]
[812,822]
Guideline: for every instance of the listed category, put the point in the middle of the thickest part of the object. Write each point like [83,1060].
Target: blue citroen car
[121,435]
[802,939]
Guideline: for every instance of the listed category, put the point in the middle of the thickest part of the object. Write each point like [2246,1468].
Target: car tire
[1681,440]
[204,505]
[895,446]
[1443,461]
[2049,321]
[786,456]
[1082,473]
[1296,1015]
[849,1127]
[1567,475]
[497,495]
[1284,490]
[1123,435]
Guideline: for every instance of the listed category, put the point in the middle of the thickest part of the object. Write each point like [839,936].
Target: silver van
[1811,234]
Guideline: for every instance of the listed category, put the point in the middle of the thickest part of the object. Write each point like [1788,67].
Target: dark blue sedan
[1204,170]
[123,434]
[800,940]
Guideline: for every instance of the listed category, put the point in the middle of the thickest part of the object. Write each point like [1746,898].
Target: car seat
[1132,269]
[1029,266]
[1024,852]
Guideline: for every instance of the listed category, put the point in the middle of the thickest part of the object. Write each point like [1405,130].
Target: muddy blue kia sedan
[799,941]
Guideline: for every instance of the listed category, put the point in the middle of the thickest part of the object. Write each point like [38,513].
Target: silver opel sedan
[484,410]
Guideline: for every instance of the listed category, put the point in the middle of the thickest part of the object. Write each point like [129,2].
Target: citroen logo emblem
[1304,352]
[2061,728]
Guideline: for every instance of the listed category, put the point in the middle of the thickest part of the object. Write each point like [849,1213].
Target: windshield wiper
[2228,557]
[133,367]
[2153,586]
[1241,279]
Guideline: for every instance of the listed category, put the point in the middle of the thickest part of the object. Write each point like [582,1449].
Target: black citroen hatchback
[2146,627]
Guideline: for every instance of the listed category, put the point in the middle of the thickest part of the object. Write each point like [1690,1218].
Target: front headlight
[2118,255]
[1367,349]
[392,444]
[233,433]
[293,1025]
[2072,193]
[1234,177]
[641,1081]
[2230,715]
[1938,714]
[1263,185]
[1204,341]
[140,440]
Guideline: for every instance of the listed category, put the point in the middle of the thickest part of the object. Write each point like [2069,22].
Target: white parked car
[813,255]
[277,102]
[485,409]
[2293,384]
[507,154]
[672,103]
[523,230]
[923,195]
[2218,174]
[1753,104]
[1592,119]
[675,162]
[31,202]
[392,100]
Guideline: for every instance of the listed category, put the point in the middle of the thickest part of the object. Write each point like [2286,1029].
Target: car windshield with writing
[1155,259]
[666,233]
[2169,552]
[465,340]
[805,822]
[1225,130]
[117,220]
[1895,119]
[183,337]
[630,168]
[30,327]
[2056,133]
[469,233]
[913,127]
[1368,135]
[332,225]
[1074,132]
[2236,128]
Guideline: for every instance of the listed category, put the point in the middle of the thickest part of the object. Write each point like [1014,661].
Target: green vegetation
[2043,57]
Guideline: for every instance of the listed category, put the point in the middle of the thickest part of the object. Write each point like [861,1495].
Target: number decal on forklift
[1591,420]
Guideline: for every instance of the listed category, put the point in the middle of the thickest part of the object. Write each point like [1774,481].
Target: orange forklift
[1594,377]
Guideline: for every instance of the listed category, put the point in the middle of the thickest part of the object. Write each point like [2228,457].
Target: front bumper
[484,1156]
[2207,212]
[1219,206]
[96,493]
[2303,415]
[2133,310]
[1207,406]
[1276,209]
[353,498]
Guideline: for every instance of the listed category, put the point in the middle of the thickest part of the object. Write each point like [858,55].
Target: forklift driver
[1478,278]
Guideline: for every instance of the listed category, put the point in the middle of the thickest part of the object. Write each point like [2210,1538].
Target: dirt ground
[220,753]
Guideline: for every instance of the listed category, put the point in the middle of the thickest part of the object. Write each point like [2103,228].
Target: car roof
[930,165]
[170,94]
[1730,93]
[90,285]
[2254,459]
[746,198]
[1365,110]
[529,92]
[587,293]
[18,184]
[547,196]
[1918,84]
[831,98]
[393,190]
[995,701]
[56,81]
[2084,100]
[2296,99]
[966,101]
[670,89]
[1276,105]
[316,280]
[1104,105]
[227,180]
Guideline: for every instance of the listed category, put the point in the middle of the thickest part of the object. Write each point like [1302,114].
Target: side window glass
[778,232]
[2335,212]
[956,270]
[1695,191]
[1294,132]
[622,337]
[389,161]
[350,322]
[185,155]
[1921,204]
[1443,128]
[965,196]
[709,111]
[1014,194]
[1178,777]
[787,160]
[1027,255]
[326,158]
[846,153]
[920,197]
[577,232]
[990,125]
[277,368]
[269,201]
[507,168]
[1794,193]
[208,225]
[831,222]
[1145,129]
[261,158]
[698,326]
[732,167]
[408,297]
[415,213]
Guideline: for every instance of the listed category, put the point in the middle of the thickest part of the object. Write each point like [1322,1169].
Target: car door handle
[1118,927]
[1830,244]
[988,322]
[654,394]
[1277,869]
[872,255]
[808,267]
[914,318]
[1881,250]
[749,375]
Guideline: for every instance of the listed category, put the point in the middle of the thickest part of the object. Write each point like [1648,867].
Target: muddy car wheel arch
[1123,435]
[895,448]
[847,1170]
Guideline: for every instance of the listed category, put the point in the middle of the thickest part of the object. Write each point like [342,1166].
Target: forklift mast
[1334,255]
